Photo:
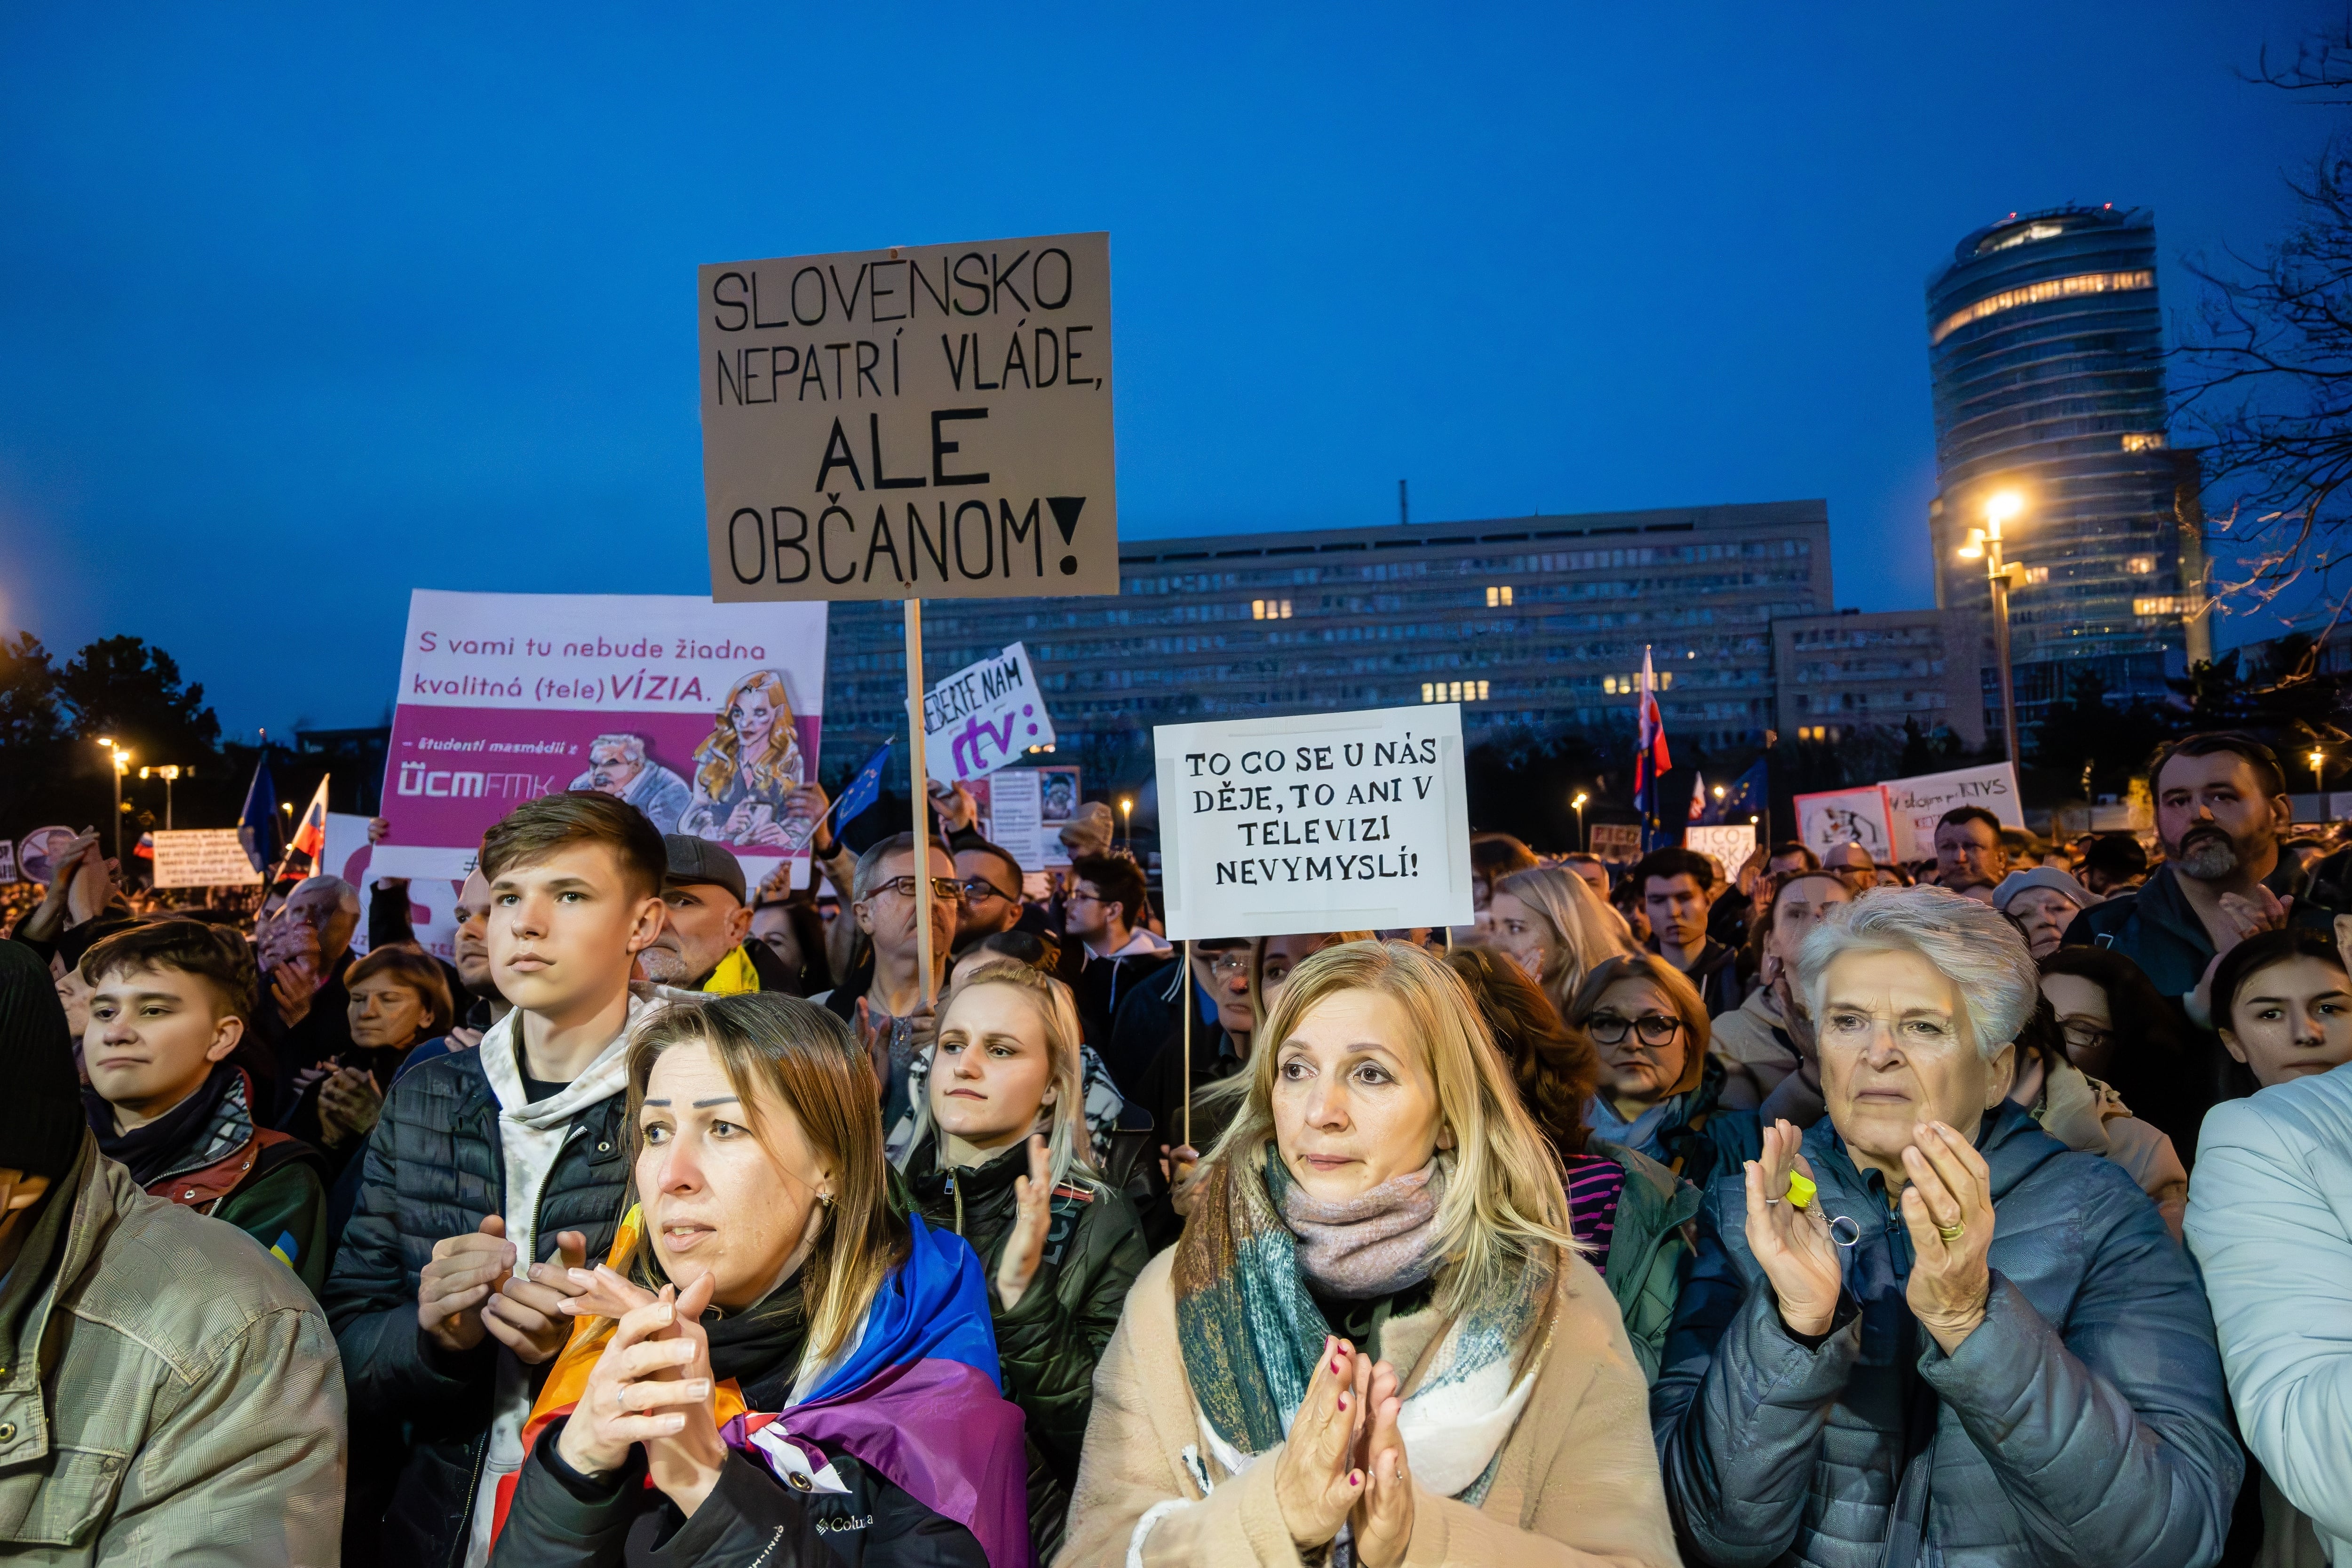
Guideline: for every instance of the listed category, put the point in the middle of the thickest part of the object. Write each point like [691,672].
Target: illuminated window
[2160,605]
[1428,692]
[1269,609]
[2148,443]
[2040,293]
[2017,236]
[1498,598]
[1608,685]
[2140,566]
[2037,574]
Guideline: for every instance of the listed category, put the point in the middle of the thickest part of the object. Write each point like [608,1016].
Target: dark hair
[808,933]
[1003,856]
[2116,855]
[1668,863]
[538,828]
[2268,774]
[1554,1066]
[1962,814]
[2259,952]
[1495,856]
[1791,846]
[1039,951]
[2151,1054]
[1119,880]
[408,965]
[218,957]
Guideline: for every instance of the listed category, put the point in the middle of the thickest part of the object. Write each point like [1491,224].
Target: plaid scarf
[1251,1332]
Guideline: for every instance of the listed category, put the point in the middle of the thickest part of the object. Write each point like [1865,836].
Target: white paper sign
[1014,822]
[1731,844]
[1314,823]
[7,859]
[983,716]
[1845,817]
[933,421]
[1917,804]
[202,857]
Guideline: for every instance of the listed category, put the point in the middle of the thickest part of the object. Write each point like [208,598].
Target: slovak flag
[1650,759]
[310,833]
[1698,798]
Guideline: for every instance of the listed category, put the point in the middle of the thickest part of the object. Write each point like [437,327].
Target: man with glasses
[991,894]
[1112,948]
[882,997]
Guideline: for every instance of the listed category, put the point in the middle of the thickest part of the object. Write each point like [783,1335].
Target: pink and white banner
[705,716]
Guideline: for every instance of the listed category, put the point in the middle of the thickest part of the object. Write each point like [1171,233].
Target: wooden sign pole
[1190,1007]
[917,783]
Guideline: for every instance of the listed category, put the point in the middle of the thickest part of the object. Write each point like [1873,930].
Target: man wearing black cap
[701,947]
[208,1423]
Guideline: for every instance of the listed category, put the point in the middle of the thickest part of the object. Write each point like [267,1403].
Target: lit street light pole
[1985,544]
[122,758]
[1578,806]
[1125,820]
[168,772]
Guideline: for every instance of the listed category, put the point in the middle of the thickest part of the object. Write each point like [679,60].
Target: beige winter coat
[170,1393]
[1578,1484]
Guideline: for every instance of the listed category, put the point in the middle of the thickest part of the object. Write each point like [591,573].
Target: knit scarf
[1375,1244]
[1251,1332]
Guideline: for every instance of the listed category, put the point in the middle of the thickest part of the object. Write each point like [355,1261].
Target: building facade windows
[1454,691]
[1498,598]
[1269,609]
[2048,289]
[2145,441]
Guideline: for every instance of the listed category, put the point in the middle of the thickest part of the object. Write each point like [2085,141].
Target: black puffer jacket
[1048,1344]
[562,1519]
[435,1169]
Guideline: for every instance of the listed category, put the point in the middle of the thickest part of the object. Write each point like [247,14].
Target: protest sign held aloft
[704,717]
[1314,823]
[1845,817]
[202,857]
[983,716]
[1917,804]
[923,422]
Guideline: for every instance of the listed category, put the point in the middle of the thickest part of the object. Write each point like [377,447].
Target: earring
[825,1200]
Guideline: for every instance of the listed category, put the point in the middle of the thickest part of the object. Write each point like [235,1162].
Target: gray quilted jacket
[2085,1423]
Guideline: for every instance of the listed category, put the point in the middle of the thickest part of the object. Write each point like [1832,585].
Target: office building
[1535,624]
[2044,343]
[1837,673]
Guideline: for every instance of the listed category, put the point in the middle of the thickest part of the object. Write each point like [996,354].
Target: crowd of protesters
[1810,1211]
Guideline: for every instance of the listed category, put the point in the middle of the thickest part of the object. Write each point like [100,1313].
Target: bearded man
[2222,812]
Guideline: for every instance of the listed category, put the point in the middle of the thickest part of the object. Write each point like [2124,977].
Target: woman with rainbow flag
[777,1365]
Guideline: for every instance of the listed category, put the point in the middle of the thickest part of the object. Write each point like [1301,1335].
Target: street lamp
[1126,819]
[1984,544]
[168,772]
[121,757]
[1578,806]
[2318,760]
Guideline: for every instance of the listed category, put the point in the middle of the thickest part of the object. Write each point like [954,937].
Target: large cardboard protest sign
[983,717]
[1917,804]
[1319,822]
[202,857]
[704,717]
[923,422]
[1845,817]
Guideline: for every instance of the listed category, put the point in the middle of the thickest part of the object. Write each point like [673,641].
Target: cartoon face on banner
[1846,816]
[37,852]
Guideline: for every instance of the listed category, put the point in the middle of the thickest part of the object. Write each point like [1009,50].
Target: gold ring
[1951,1233]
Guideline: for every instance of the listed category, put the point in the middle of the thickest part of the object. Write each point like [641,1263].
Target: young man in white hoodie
[490,1172]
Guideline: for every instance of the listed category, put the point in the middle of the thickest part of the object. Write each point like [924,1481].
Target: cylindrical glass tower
[2044,343]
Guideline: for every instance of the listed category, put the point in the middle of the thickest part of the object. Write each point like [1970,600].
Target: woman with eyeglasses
[2122,1032]
[1660,1093]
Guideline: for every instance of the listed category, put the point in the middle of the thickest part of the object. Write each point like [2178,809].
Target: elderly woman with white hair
[1924,1330]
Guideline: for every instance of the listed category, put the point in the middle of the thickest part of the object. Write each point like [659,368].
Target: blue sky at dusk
[299,311]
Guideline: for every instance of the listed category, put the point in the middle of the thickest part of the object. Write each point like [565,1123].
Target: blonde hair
[1069,1146]
[719,756]
[807,1061]
[1583,931]
[1504,1207]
